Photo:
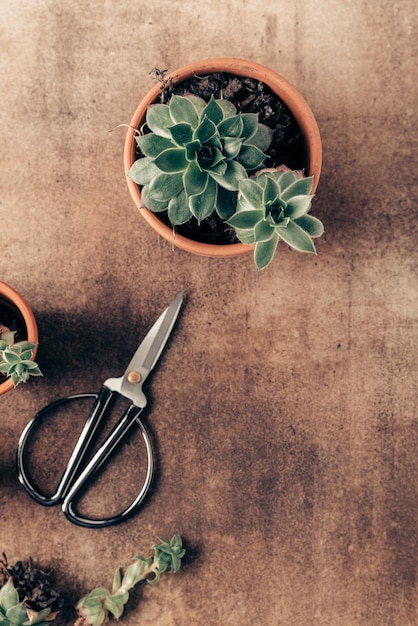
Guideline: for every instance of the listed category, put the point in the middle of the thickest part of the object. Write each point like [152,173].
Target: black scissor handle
[93,420]
[130,417]
[75,475]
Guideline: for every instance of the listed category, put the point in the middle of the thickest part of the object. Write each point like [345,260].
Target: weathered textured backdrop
[284,409]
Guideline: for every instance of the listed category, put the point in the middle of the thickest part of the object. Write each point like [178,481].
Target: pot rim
[287,92]
[19,302]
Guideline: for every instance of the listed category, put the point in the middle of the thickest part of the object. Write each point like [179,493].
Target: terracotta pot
[280,86]
[14,301]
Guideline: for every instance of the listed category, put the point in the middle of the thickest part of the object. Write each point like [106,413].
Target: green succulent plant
[15,613]
[195,156]
[274,206]
[94,608]
[15,358]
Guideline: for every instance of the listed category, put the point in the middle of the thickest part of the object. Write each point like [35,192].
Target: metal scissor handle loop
[73,481]
[86,435]
[130,417]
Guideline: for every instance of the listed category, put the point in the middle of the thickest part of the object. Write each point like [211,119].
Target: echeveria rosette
[274,206]
[195,156]
[16,361]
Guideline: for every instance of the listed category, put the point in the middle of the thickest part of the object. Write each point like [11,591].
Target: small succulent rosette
[274,205]
[16,358]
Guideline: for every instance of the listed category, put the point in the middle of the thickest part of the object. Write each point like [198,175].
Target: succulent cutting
[94,608]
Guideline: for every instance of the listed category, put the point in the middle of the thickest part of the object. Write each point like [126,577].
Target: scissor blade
[150,349]
[152,346]
[146,356]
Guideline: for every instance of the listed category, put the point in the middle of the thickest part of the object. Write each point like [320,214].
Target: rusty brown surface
[283,412]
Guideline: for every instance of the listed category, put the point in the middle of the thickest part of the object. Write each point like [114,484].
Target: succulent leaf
[261,138]
[213,111]
[226,203]
[42,618]
[299,187]
[192,137]
[178,209]
[232,146]
[182,133]
[297,238]
[251,157]
[8,596]
[310,224]
[250,124]
[263,231]
[159,120]
[165,186]
[246,219]
[298,206]
[182,110]
[150,202]
[271,193]
[17,614]
[113,607]
[11,357]
[194,179]
[171,160]
[151,145]
[231,177]
[228,109]
[264,251]
[198,103]
[204,131]
[143,170]
[201,204]
[251,191]
[232,127]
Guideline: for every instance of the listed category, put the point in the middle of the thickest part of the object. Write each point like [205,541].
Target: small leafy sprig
[94,608]
[15,613]
[16,358]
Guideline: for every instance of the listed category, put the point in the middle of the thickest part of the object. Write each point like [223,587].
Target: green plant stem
[94,608]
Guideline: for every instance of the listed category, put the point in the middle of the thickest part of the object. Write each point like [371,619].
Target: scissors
[79,468]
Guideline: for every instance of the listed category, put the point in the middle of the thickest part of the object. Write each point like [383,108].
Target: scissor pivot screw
[134,377]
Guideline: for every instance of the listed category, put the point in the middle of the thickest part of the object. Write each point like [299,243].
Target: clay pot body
[289,95]
[12,300]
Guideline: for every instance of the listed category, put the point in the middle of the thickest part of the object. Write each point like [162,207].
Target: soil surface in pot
[249,96]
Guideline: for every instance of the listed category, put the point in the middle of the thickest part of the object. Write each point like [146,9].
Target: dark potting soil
[249,96]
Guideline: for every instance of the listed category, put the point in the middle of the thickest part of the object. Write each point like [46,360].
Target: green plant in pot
[195,156]
[16,359]
[18,339]
[190,160]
